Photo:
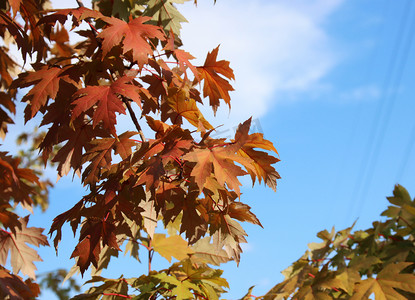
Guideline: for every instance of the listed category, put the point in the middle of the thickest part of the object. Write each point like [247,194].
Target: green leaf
[166,15]
[400,196]
[182,288]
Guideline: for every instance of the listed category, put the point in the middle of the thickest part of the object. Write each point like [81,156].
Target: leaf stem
[150,256]
[115,294]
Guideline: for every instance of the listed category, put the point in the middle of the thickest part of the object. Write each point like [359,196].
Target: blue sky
[331,84]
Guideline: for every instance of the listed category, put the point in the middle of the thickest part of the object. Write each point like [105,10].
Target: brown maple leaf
[87,252]
[12,287]
[242,212]
[6,102]
[133,35]
[61,15]
[78,140]
[22,256]
[17,33]
[216,87]
[29,10]
[8,67]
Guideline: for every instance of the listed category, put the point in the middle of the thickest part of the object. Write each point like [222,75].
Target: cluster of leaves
[345,265]
[54,282]
[128,61]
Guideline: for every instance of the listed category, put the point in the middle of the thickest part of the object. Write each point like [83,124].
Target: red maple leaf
[106,99]
[92,234]
[133,35]
[46,85]
[100,154]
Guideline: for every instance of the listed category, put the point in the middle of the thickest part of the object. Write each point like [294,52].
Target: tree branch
[134,118]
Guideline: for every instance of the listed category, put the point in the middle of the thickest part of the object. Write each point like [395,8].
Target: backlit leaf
[172,246]
[22,256]
[133,35]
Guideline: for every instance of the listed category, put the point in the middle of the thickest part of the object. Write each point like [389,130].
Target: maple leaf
[100,154]
[383,286]
[30,13]
[241,212]
[61,47]
[72,215]
[187,108]
[8,68]
[78,140]
[106,99]
[61,15]
[111,289]
[22,256]
[183,58]
[205,252]
[15,181]
[17,33]
[87,252]
[149,215]
[14,288]
[165,14]
[6,102]
[46,85]
[262,166]
[216,87]
[92,234]
[15,4]
[181,288]
[160,128]
[229,235]
[220,161]
[172,246]
[133,35]
[152,173]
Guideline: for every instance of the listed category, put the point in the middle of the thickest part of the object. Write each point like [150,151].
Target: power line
[390,101]
[407,153]
[372,153]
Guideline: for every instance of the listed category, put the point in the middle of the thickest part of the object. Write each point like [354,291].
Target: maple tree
[379,261]
[128,60]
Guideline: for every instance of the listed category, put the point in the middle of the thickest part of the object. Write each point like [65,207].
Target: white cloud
[278,46]
[361,93]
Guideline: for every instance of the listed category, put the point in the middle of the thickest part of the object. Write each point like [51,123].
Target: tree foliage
[378,261]
[128,59]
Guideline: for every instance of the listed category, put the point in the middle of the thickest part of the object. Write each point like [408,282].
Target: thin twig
[134,118]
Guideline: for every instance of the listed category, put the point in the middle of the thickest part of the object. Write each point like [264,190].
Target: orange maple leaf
[221,159]
[216,87]
[134,36]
